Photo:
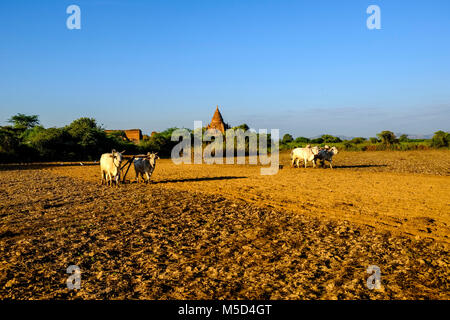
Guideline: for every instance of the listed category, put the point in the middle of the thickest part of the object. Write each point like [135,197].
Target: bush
[348,146]
[358,140]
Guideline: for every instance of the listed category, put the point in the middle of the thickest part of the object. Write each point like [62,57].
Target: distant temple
[133,135]
[217,122]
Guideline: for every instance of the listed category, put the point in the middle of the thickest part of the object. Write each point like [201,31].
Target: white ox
[326,155]
[145,166]
[305,154]
[110,167]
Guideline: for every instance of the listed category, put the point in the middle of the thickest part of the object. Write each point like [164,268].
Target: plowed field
[227,232]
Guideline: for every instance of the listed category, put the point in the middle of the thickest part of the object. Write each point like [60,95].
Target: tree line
[26,140]
[385,140]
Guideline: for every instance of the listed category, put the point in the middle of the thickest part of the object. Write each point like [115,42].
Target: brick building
[133,135]
[217,122]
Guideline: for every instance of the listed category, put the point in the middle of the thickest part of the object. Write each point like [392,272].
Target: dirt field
[226,232]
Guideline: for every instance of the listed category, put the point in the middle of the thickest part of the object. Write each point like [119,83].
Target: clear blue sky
[305,67]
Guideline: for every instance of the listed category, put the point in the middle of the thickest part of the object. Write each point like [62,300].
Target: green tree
[403,138]
[287,138]
[358,140]
[90,139]
[317,140]
[160,142]
[23,121]
[387,137]
[243,126]
[440,139]
[373,140]
[302,140]
[9,140]
[120,135]
[327,138]
[52,143]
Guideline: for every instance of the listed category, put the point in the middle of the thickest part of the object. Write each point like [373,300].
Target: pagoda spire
[217,121]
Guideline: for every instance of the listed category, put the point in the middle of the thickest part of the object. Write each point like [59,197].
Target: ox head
[117,157]
[335,150]
[152,158]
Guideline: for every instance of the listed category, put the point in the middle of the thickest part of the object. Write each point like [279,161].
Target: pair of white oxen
[312,154]
[110,166]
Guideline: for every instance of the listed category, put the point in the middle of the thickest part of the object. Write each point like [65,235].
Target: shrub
[358,140]
[348,146]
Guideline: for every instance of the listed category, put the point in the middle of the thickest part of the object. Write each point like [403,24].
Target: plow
[129,160]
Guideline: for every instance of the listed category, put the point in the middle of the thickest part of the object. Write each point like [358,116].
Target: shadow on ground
[200,179]
[43,165]
[362,166]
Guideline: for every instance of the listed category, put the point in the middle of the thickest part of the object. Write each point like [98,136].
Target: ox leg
[148,177]
[305,162]
[331,167]
[294,162]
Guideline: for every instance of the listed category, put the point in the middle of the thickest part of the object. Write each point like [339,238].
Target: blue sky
[305,67]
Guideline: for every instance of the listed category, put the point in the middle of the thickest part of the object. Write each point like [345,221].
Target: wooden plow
[129,160]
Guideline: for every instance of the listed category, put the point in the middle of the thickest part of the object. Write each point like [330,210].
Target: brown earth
[226,232]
